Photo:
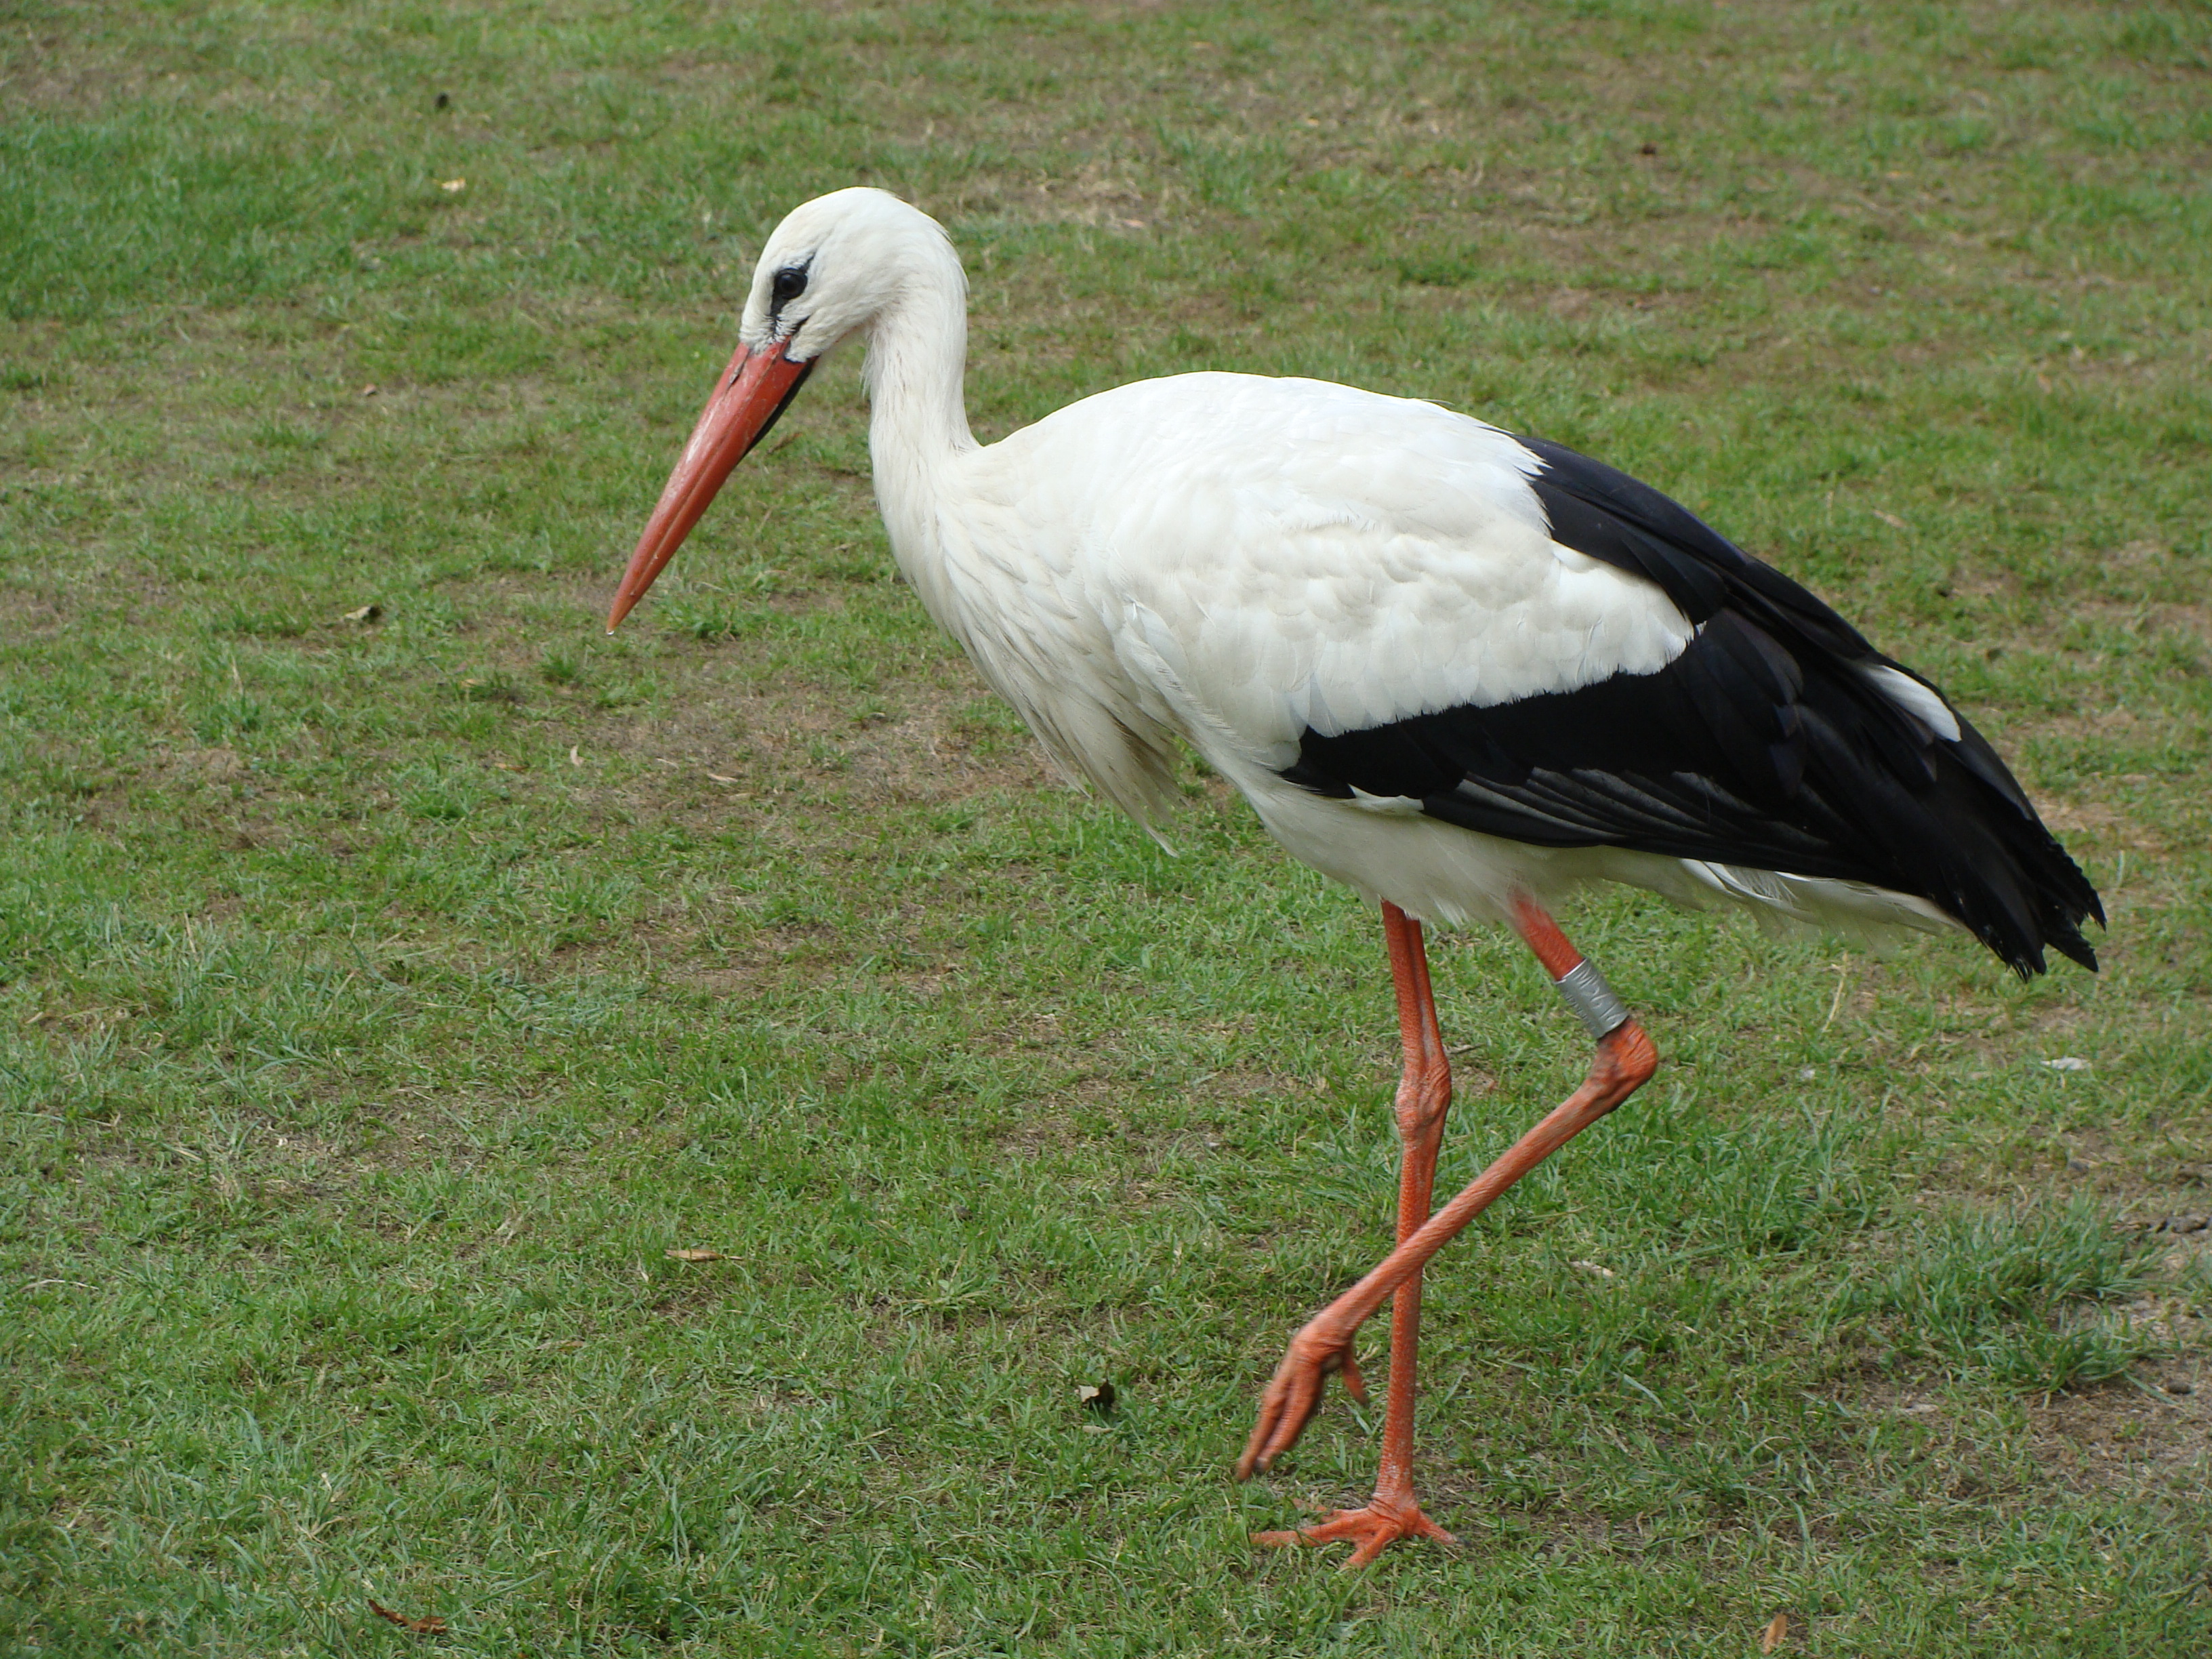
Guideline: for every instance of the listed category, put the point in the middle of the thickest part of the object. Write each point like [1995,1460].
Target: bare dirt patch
[2153,1429]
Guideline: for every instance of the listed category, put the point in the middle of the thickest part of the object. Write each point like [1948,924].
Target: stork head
[832,268]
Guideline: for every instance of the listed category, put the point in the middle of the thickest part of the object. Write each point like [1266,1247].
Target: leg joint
[1425,1094]
[1626,1060]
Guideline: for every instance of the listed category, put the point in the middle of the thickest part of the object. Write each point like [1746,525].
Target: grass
[382,995]
[2005,1292]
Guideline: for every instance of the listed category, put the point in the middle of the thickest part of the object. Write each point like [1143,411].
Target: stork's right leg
[1423,1097]
[1624,1063]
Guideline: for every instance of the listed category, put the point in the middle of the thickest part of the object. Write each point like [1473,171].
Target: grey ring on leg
[1584,990]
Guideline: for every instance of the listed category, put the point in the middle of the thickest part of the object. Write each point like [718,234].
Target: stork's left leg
[1624,1062]
[1423,1097]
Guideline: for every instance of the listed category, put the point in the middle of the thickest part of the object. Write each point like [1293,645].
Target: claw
[1371,1530]
[1293,1395]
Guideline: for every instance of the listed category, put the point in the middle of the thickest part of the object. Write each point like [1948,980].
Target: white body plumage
[1447,666]
[1232,560]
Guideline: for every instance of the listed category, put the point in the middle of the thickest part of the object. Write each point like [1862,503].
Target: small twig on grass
[1843,978]
[429,1624]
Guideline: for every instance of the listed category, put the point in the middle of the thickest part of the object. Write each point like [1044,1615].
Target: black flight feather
[1764,744]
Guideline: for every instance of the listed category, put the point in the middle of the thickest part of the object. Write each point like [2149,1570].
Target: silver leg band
[1584,990]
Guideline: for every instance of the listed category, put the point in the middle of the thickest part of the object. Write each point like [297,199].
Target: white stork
[1461,672]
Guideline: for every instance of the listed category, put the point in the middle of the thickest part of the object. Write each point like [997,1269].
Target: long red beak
[752,394]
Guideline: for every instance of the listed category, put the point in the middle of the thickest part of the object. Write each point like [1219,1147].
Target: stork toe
[1372,1528]
[1293,1395]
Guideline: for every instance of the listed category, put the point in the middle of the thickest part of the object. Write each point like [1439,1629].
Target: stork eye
[789,284]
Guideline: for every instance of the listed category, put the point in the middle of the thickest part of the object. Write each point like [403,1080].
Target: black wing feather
[1764,744]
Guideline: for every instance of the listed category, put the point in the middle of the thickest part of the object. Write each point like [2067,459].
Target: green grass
[381,999]
[2006,1291]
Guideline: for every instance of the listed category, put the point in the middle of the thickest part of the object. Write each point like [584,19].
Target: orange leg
[1625,1061]
[1423,1097]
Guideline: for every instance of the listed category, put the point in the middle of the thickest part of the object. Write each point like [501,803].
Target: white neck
[918,420]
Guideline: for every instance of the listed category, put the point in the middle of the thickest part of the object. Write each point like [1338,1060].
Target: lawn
[395,970]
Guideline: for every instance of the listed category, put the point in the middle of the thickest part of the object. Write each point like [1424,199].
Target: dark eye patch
[790,282]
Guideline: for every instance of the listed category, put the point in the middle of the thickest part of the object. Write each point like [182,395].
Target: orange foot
[1374,1530]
